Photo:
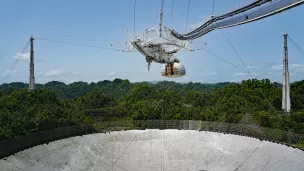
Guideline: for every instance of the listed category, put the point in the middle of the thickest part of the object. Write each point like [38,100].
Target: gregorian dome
[173,70]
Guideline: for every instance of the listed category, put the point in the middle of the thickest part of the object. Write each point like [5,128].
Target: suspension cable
[87,40]
[213,7]
[248,156]
[249,72]
[301,51]
[187,15]
[77,44]
[172,6]
[15,63]
[134,10]
[161,17]
[211,53]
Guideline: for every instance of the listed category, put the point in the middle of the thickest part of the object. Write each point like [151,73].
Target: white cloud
[39,73]
[22,56]
[240,74]
[253,67]
[277,67]
[275,73]
[233,80]
[292,67]
[210,74]
[296,66]
[54,73]
[112,73]
[293,74]
[74,79]
[8,72]
[185,78]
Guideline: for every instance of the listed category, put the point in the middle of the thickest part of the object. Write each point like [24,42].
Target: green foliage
[98,126]
[95,99]
[146,109]
[126,123]
[189,113]
[141,92]
[265,119]
[57,104]
[117,88]
[22,112]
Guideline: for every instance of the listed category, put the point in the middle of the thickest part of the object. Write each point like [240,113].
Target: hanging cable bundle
[187,15]
[213,7]
[240,16]
[134,10]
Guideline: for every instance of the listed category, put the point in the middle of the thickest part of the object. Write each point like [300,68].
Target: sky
[102,23]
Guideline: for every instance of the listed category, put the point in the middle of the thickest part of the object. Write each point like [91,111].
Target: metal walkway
[255,11]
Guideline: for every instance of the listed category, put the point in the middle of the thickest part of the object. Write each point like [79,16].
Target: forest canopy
[55,104]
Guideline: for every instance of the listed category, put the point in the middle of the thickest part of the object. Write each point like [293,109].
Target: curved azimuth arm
[254,11]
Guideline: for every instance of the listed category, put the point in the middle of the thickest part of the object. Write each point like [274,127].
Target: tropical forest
[56,104]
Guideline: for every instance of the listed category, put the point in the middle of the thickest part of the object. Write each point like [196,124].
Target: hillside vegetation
[55,104]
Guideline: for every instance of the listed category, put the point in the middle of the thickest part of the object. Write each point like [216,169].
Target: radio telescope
[158,45]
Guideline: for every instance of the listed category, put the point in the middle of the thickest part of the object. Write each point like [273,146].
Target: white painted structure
[286,86]
[151,150]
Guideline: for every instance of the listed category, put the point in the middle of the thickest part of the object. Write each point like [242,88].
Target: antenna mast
[32,77]
[286,86]
[126,39]
[161,18]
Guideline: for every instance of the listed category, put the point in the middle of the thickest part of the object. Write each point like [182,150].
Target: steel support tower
[286,87]
[32,77]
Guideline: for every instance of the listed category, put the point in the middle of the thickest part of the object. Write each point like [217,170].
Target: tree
[22,112]
[56,104]
[96,99]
